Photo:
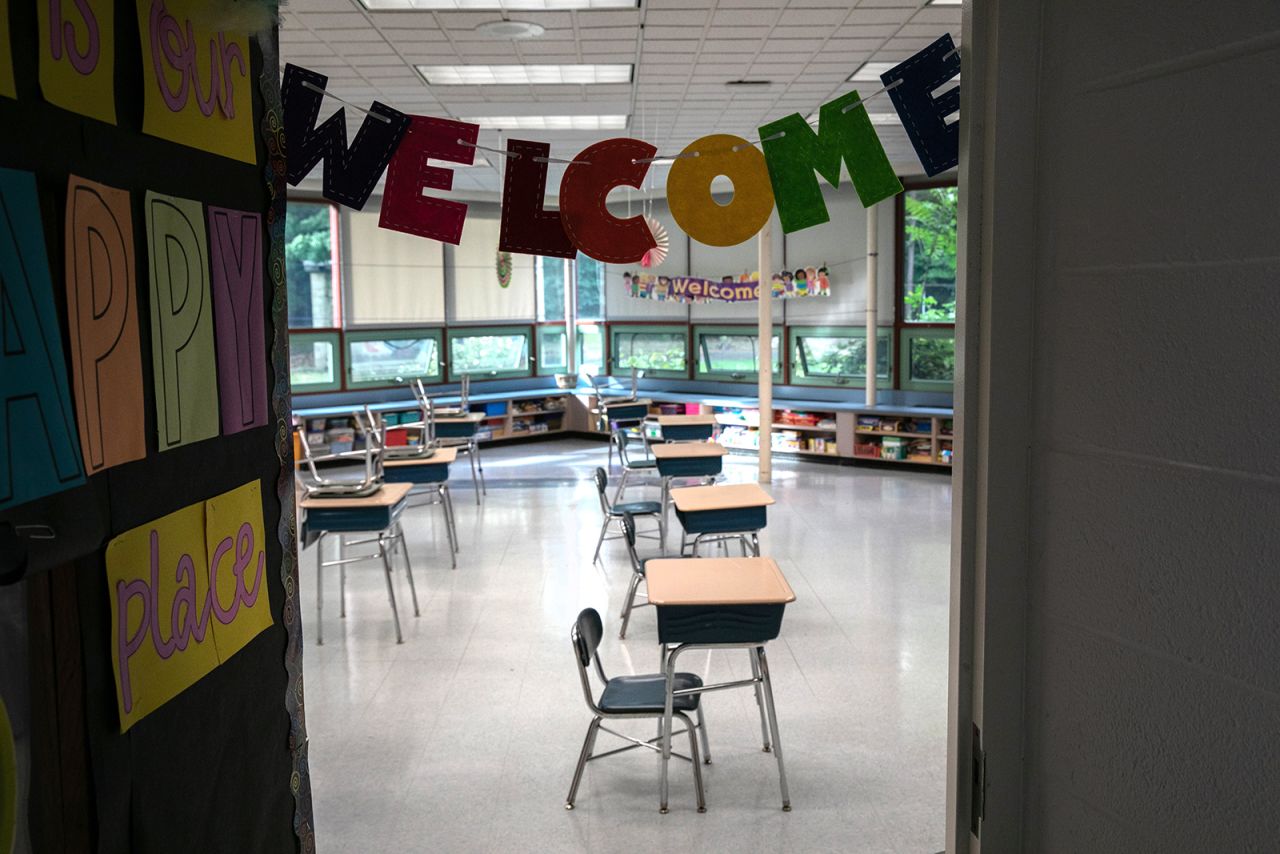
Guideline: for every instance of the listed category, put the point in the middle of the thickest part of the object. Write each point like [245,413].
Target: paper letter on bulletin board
[77,56]
[39,454]
[235,250]
[158,592]
[182,351]
[8,88]
[195,74]
[236,545]
[102,323]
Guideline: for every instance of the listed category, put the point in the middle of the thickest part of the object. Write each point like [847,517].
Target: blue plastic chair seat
[646,694]
[636,508]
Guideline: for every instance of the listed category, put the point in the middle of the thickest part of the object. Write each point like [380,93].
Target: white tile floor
[464,738]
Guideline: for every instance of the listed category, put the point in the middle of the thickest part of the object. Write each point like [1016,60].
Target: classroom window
[392,358]
[929,359]
[311,265]
[837,356]
[489,352]
[929,255]
[551,349]
[314,361]
[659,351]
[731,353]
[550,275]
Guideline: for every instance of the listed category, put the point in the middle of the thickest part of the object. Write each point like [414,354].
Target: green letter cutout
[795,152]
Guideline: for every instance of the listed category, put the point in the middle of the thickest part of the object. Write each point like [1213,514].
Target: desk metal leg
[391,590]
[446,509]
[320,591]
[773,725]
[475,446]
[475,483]
[669,671]
[408,568]
[764,718]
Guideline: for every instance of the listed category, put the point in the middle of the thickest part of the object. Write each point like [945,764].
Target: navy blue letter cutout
[936,142]
[349,173]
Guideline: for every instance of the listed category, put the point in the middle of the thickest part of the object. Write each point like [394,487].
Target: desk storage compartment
[723,521]
[719,623]
[424,472]
[687,432]
[456,429]
[354,518]
[690,466]
[628,411]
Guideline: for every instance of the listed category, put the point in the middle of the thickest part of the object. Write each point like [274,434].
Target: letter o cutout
[689,191]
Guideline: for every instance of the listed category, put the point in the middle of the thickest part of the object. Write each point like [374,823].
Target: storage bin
[893,448]
[496,408]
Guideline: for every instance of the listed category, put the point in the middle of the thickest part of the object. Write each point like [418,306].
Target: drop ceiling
[684,52]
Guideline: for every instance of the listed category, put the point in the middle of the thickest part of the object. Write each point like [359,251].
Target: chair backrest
[620,438]
[629,535]
[585,635]
[602,483]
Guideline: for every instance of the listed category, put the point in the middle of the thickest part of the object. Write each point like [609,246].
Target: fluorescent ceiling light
[497,75]
[870,71]
[510,5]
[945,2]
[548,122]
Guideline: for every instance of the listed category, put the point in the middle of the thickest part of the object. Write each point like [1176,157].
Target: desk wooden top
[472,417]
[441,456]
[717,581]
[681,420]
[685,450]
[387,496]
[729,496]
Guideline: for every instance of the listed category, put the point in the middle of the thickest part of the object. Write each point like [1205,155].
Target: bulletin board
[114,139]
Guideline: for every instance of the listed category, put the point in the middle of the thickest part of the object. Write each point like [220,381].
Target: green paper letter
[797,152]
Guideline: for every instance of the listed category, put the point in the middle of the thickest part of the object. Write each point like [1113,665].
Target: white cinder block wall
[1153,667]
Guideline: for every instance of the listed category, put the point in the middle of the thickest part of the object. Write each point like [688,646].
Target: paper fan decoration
[657,254]
[504,269]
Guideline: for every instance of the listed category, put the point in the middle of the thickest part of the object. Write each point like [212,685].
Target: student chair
[637,572]
[629,466]
[632,698]
[613,512]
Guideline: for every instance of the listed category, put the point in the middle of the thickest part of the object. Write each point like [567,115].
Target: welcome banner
[803,282]
[783,172]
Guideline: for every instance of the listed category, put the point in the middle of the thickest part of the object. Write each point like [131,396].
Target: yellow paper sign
[8,87]
[77,56]
[237,553]
[186,592]
[195,71]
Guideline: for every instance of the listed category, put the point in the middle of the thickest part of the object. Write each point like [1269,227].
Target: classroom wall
[1152,704]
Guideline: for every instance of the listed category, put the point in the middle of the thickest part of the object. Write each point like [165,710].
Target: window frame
[357,335]
[337,257]
[913,333]
[697,331]
[681,329]
[884,337]
[545,328]
[333,337]
[455,332]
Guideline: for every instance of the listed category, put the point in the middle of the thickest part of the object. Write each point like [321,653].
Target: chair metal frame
[436,492]
[637,574]
[586,654]
[601,480]
[387,540]
[620,438]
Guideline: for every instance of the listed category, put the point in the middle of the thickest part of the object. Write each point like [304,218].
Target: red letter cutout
[404,208]
[583,190]
[526,227]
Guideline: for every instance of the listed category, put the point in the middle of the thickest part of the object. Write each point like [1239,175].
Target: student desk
[624,410]
[686,459]
[432,471]
[377,514]
[723,512]
[720,603]
[464,427]
[686,428]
